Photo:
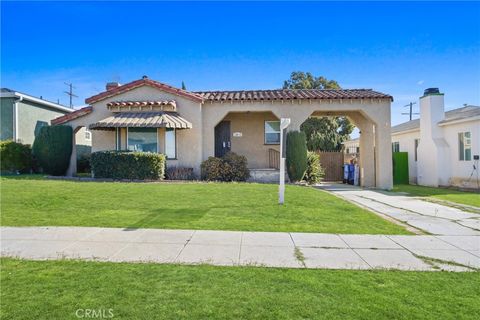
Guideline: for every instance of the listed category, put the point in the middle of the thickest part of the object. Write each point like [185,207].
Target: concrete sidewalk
[231,248]
[431,217]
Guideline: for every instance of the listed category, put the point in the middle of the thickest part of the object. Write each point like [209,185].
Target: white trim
[405,131]
[458,121]
[23,96]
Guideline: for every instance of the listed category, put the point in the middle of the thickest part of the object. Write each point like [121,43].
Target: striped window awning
[142,120]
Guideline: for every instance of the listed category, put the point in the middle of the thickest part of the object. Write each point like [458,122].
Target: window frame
[90,135]
[265,133]
[395,144]
[156,139]
[463,146]
[165,143]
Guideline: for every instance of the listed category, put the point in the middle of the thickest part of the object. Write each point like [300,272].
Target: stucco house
[189,127]
[443,147]
[22,116]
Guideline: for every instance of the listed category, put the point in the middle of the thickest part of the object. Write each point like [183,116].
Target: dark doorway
[222,138]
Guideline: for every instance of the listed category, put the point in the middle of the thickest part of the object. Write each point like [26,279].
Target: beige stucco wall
[371,115]
[189,141]
[252,142]
[197,144]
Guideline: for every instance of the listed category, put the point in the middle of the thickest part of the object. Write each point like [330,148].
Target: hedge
[296,155]
[128,165]
[15,157]
[52,149]
[231,167]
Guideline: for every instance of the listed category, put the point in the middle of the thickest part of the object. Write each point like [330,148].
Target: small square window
[272,132]
[88,135]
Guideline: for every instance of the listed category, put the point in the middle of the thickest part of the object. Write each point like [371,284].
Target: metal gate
[332,164]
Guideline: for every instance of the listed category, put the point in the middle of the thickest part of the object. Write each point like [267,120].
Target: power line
[411,110]
[70,93]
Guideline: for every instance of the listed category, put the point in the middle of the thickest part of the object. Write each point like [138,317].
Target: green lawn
[56,289]
[462,197]
[214,206]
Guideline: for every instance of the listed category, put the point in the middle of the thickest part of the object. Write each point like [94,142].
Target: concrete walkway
[271,249]
[431,217]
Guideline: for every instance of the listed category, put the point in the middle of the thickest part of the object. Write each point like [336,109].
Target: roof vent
[430,91]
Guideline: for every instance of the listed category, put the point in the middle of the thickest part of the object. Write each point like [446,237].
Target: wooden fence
[332,164]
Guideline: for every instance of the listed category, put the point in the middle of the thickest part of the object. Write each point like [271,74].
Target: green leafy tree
[183,86]
[324,133]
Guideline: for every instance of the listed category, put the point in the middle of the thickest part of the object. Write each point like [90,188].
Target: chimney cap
[431,91]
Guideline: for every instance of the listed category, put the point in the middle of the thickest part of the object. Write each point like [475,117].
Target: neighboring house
[442,146]
[189,127]
[23,115]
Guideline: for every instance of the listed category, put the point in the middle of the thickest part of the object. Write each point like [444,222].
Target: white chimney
[433,150]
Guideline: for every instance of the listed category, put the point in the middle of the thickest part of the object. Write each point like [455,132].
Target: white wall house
[443,147]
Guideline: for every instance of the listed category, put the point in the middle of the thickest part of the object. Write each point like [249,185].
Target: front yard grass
[210,206]
[57,289]
[461,197]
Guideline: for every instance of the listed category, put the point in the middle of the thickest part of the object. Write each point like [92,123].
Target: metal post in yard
[284,123]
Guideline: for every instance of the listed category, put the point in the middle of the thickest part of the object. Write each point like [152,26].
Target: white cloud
[420,82]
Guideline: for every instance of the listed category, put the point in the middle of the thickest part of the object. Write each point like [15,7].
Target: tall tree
[183,86]
[323,133]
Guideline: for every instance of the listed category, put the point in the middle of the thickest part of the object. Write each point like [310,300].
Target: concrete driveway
[431,217]
[232,248]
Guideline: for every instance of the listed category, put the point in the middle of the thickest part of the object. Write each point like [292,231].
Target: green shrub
[128,165]
[296,155]
[52,149]
[213,169]
[314,172]
[15,157]
[231,167]
[237,166]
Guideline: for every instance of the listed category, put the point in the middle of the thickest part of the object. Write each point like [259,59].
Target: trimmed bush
[179,173]
[213,169]
[15,157]
[52,149]
[128,165]
[314,172]
[231,167]
[237,166]
[296,155]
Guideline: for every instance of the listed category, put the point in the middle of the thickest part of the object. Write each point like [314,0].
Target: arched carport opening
[366,128]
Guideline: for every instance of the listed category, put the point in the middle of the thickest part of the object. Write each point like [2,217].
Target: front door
[222,138]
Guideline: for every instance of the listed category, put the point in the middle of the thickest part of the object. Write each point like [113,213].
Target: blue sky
[397,48]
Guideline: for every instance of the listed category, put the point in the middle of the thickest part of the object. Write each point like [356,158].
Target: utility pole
[411,109]
[70,93]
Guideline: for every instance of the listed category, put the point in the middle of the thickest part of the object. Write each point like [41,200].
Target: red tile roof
[292,94]
[141,82]
[70,116]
